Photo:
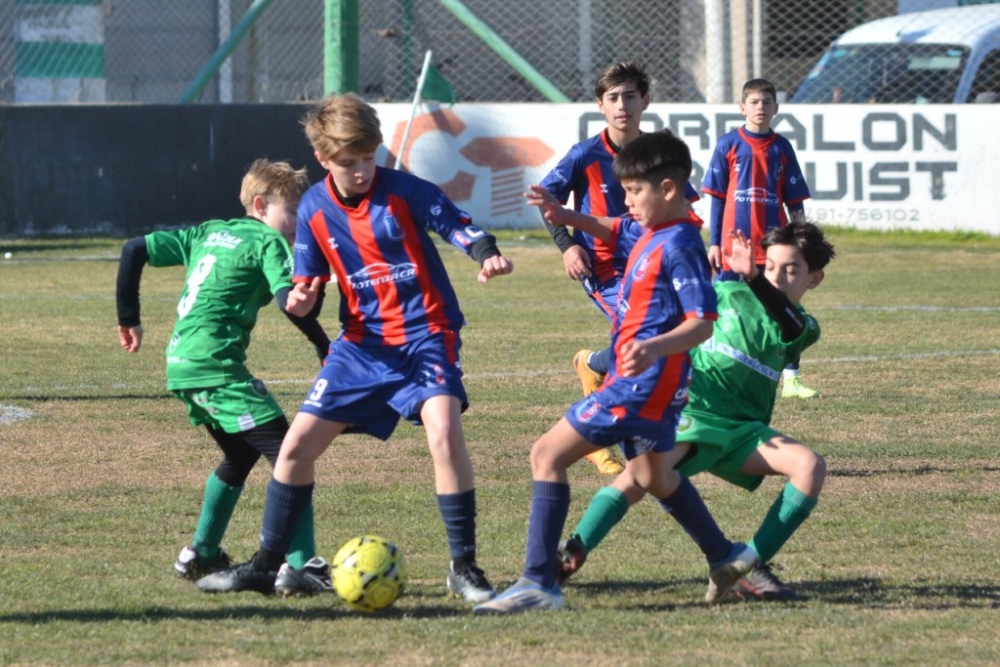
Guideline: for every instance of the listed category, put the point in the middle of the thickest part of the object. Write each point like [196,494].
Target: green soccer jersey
[233,269]
[736,371]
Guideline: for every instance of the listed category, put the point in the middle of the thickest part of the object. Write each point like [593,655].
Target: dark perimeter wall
[127,170]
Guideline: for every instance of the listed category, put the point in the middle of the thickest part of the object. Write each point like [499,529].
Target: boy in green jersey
[725,427]
[234,268]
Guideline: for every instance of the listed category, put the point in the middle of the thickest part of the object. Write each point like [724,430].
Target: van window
[986,87]
[885,73]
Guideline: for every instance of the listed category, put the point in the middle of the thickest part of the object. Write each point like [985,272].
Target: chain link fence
[145,51]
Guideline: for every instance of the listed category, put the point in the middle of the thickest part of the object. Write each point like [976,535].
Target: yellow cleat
[792,387]
[605,462]
[590,380]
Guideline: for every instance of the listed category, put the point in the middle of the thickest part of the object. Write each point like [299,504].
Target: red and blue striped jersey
[757,176]
[393,285]
[587,173]
[667,280]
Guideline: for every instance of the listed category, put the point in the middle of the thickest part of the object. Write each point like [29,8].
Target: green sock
[216,511]
[303,545]
[787,513]
[606,508]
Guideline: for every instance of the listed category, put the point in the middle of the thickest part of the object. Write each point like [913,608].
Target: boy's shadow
[428,606]
[862,592]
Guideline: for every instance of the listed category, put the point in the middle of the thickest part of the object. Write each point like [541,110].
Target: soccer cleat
[723,575]
[312,579]
[241,577]
[524,595]
[762,584]
[590,379]
[569,559]
[189,566]
[605,462]
[792,387]
[469,582]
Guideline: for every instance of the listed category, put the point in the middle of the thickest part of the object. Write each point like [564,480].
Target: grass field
[101,480]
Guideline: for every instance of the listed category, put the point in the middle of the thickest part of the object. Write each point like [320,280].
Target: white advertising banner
[920,167]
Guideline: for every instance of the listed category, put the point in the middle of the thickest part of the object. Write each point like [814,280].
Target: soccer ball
[369,573]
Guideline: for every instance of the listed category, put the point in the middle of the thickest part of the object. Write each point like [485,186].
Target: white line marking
[871,358]
[9,414]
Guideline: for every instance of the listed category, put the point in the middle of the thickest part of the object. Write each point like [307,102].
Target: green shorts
[232,408]
[720,446]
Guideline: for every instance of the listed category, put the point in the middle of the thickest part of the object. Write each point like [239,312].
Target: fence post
[340,46]
[193,91]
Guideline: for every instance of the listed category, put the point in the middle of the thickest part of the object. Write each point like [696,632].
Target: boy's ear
[645,101]
[260,206]
[816,279]
[669,187]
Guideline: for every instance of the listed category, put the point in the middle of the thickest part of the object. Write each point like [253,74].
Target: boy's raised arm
[558,214]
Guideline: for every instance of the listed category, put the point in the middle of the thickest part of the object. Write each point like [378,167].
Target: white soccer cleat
[524,595]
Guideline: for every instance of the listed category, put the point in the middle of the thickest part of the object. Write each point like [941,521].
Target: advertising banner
[919,167]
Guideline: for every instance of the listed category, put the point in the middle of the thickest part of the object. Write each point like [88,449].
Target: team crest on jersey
[392,227]
[641,265]
[258,387]
[588,411]
[684,423]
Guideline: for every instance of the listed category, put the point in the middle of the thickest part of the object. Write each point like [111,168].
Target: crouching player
[665,308]
[725,427]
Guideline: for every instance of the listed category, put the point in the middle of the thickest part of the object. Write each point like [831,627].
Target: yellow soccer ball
[369,573]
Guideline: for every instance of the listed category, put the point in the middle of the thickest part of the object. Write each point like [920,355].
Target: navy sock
[283,507]
[549,507]
[689,510]
[459,513]
[600,361]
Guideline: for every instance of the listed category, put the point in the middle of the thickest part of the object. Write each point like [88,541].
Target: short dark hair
[618,73]
[759,86]
[805,236]
[654,156]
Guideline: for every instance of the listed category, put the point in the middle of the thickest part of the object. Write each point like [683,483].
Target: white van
[940,56]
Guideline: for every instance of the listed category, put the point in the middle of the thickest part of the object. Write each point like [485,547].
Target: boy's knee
[818,467]
[544,460]
[810,472]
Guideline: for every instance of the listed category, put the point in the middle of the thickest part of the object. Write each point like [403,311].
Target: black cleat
[242,577]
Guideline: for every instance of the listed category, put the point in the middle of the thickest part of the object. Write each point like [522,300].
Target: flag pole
[413,109]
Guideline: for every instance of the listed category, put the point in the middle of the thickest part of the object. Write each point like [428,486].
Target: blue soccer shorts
[607,417]
[370,387]
[604,296]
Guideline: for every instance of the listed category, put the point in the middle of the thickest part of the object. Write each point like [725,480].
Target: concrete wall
[126,170]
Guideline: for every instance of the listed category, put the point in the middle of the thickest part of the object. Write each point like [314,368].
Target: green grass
[899,565]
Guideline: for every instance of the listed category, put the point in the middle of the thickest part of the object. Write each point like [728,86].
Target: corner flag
[437,88]
[432,86]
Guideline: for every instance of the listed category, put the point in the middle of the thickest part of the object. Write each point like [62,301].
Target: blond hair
[343,121]
[274,181]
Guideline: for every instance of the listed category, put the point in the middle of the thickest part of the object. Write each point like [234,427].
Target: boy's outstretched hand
[303,297]
[497,265]
[740,256]
[552,209]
